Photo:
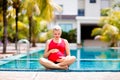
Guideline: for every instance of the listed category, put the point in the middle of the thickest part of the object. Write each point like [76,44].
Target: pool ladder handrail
[28,49]
[23,41]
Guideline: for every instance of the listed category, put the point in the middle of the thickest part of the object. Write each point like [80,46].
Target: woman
[57,52]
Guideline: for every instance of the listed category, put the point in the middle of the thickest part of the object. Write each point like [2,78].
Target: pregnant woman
[57,52]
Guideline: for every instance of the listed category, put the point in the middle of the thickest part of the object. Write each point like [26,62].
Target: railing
[23,41]
[19,45]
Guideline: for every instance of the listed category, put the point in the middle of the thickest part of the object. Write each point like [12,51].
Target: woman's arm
[46,52]
[67,48]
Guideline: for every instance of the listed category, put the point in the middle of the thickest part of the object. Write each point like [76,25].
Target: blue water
[88,59]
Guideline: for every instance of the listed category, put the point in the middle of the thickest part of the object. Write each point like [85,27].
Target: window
[61,7]
[81,12]
[92,1]
[66,27]
[59,12]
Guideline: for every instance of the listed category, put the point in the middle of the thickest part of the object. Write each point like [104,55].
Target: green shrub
[70,36]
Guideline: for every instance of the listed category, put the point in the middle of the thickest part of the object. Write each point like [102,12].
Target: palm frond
[96,31]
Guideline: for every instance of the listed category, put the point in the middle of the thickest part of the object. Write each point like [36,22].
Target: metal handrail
[28,49]
[23,41]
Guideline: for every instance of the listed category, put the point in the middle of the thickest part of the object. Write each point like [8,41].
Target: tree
[107,33]
[44,9]
[110,25]
[16,5]
[4,5]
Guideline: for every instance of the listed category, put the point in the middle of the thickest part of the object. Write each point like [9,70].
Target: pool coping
[60,70]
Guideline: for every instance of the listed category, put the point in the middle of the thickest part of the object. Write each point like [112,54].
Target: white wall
[92,9]
[69,6]
[105,4]
[81,4]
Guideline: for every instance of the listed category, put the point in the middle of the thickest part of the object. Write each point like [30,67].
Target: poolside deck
[15,75]
[59,76]
[11,51]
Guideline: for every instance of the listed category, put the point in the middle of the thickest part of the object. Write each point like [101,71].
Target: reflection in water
[97,59]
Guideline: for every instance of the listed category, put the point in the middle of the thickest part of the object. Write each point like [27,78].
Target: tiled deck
[59,76]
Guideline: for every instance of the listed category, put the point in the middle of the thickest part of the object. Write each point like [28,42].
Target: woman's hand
[53,50]
[61,59]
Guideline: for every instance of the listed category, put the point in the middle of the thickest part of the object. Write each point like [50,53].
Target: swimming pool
[88,59]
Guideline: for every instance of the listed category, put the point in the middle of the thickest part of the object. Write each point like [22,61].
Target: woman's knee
[71,58]
[42,60]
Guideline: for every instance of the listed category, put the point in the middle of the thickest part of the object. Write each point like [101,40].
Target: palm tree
[44,9]
[5,25]
[16,5]
[30,7]
[110,31]
[1,2]
[107,33]
[1,20]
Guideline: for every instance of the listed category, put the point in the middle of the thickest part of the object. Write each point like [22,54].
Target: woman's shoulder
[49,40]
[65,40]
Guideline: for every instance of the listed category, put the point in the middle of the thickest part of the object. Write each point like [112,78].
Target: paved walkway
[23,49]
[59,76]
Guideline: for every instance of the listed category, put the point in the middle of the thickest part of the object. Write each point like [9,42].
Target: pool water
[88,59]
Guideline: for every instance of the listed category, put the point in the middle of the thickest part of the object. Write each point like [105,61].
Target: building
[81,14]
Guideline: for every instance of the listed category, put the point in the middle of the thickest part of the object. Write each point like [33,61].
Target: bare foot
[64,67]
[57,66]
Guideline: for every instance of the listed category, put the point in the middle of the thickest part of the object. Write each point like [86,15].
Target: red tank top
[60,46]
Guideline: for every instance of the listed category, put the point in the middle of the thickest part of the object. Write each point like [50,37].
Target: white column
[78,32]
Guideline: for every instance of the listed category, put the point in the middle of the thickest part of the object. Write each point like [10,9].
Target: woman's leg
[67,61]
[50,65]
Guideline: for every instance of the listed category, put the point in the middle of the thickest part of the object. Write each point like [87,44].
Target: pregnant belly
[54,56]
